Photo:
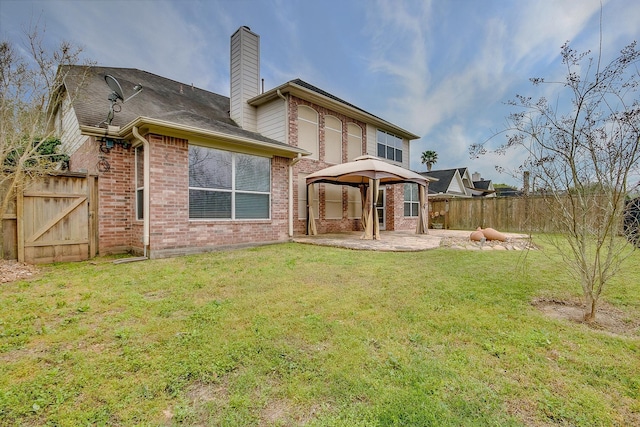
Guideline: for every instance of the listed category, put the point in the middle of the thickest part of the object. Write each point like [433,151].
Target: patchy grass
[304,335]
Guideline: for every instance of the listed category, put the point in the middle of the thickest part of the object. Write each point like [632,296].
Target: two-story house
[183,170]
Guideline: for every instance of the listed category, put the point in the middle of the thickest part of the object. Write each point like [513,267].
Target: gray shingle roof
[444,176]
[482,185]
[316,89]
[161,98]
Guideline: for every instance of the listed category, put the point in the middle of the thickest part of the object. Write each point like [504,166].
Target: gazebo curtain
[311,221]
[422,227]
[372,226]
[364,199]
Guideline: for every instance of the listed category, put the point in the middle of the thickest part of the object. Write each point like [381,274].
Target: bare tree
[583,149]
[31,79]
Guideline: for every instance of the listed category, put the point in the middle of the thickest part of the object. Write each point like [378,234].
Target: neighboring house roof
[508,192]
[162,101]
[314,94]
[457,183]
[449,182]
[485,184]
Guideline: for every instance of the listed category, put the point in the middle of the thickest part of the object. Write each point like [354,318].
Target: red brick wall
[116,199]
[171,231]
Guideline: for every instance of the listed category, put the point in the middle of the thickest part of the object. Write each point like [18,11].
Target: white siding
[245,77]
[455,185]
[405,153]
[70,136]
[272,120]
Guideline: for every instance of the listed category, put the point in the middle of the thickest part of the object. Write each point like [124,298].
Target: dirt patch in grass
[608,318]
[11,271]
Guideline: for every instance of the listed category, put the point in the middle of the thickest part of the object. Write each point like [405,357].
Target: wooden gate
[56,219]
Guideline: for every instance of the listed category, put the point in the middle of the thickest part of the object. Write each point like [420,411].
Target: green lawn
[293,334]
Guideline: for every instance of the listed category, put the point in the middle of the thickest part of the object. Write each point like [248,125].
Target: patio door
[380,206]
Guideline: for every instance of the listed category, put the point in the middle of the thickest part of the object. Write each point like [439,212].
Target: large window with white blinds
[226,185]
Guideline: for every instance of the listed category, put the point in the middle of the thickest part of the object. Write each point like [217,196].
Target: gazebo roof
[363,168]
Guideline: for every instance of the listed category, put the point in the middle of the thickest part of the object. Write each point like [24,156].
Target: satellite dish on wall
[117,94]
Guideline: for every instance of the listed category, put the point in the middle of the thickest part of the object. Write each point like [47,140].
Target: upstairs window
[308,131]
[354,141]
[332,140]
[389,146]
[226,185]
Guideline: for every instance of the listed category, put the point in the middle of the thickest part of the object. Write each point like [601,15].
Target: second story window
[354,141]
[332,140]
[308,131]
[389,146]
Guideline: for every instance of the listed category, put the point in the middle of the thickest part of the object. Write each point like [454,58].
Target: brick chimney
[245,76]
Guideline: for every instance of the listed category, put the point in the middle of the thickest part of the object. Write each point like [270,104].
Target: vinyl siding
[245,77]
[70,134]
[272,119]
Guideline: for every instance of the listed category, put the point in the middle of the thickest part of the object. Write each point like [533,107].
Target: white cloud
[152,36]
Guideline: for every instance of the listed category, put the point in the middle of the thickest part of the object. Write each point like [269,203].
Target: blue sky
[442,69]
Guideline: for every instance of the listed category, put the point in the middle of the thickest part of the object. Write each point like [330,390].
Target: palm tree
[429,158]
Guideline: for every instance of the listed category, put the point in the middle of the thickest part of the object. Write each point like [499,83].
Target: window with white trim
[389,146]
[332,140]
[354,209]
[226,185]
[354,141]
[333,201]
[139,182]
[308,130]
[411,200]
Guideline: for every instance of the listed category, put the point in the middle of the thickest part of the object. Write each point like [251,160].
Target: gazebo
[367,173]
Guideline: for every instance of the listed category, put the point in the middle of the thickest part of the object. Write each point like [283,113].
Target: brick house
[183,170]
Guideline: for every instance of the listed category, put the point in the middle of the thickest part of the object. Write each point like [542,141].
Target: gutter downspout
[146,196]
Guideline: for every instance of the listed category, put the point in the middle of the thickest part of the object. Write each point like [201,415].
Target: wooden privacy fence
[52,220]
[516,214]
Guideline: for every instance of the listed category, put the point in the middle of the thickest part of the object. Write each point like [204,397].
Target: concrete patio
[397,241]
